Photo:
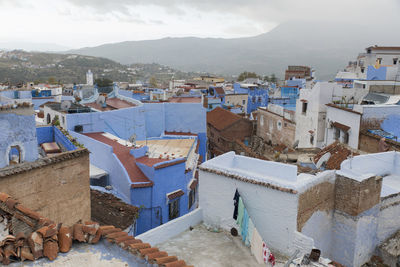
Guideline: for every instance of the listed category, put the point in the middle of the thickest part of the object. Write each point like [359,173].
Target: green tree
[52,80]
[244,75]
[153,82]
[103,82]
[273,78]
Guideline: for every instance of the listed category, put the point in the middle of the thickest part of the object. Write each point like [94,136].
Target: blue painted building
[257,95]
[154,184]
[379,74]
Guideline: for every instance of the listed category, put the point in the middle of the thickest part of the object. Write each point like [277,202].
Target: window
[362,70]
[379,60]
[173,209]
[346,138]
[63,120]
[284,124]
[312,139]
[279,125]
[48,119]
[259,99]
[14,155]
[304,108]
[192,197]
[262,120]
[336,134]
[395,60]
[244,102]
[254,99]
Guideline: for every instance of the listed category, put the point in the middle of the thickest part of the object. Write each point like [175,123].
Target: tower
[89,77]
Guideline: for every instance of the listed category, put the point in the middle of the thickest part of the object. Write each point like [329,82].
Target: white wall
[273,212]
[172,228]
[314,120]
[347,118]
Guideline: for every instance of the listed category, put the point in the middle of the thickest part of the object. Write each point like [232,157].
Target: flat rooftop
[185,100]
[111,104]
[171,148]
[203,248]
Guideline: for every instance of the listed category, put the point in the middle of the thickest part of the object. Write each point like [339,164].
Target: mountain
[326,46]
[20,66]
[29,46]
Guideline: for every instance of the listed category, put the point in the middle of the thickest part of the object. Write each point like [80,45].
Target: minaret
[89,78]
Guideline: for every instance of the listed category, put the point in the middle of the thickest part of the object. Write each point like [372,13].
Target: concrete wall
[18,130]
[273,212]
[59,191]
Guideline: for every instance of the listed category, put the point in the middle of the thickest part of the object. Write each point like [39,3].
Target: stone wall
[320,197]
[354,197]
[370,143]
[58,188]
[269,130]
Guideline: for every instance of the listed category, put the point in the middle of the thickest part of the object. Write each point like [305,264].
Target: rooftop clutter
[28,237]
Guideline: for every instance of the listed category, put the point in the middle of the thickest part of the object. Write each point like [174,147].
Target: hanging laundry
[269,258]
[249,233]
[245,224]
[256,246]
[239,220]
[236,204]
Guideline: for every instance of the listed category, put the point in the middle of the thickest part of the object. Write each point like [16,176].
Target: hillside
[21,66]
[325,46]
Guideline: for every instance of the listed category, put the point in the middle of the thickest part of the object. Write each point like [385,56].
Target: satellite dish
[65,105]
[132,139]
[323,160]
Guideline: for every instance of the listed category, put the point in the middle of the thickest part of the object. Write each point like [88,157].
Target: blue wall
[37,102]
[50,134]
[18,130]
[41,93]
[257,97]
[376,74]
[392,125]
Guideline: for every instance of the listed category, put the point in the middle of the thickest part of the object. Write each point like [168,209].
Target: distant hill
[324,45]
[21,66]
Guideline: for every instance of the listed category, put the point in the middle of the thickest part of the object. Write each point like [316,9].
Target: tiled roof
[341,126]
[175,194]
[27,166]
[220,118]
[342,108]
[138,178]
[185,100]
[219,90]
[111,104]
[339,152]
[40,237]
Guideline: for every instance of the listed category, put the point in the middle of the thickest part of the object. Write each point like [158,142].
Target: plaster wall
[102,156]
[273,212]
[17,130]
[373,116]
[237,99]
[388,221]
[171,229]
[349,119]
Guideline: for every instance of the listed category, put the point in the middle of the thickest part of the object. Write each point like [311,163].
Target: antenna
[65,105]
[132,139]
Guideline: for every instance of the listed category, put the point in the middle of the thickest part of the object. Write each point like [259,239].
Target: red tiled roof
[111,104]
[150,161]
[47,239]
[342,108]
[339,152]
[341,126]
[219,90]
[128,161]
[180,133]
[175,194]
[220,118]
[185,100]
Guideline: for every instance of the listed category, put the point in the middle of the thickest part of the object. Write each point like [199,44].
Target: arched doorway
[14,155]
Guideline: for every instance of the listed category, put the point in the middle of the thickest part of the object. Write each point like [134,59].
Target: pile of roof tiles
[34,237]
[14,106]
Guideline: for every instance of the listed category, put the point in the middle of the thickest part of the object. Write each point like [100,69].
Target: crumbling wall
[59,190]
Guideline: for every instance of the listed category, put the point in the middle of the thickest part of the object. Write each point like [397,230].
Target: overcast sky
[78,23]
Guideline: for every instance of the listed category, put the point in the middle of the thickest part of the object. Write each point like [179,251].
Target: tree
[273,78]
[153,82]
[52,80]
[244,75]
[103,82]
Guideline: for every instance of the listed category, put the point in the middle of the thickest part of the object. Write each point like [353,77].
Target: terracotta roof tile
[167,259]
[179,263]
[220,118]
[219,90]
[3,197]
[175,194]
[341,126]
[339,152]
[65,239]
[152,256]
[138,178]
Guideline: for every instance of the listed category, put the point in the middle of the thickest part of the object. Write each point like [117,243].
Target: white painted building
[89,78]
[311,113]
